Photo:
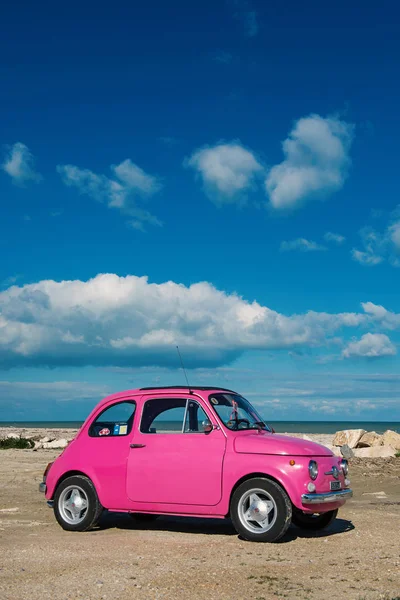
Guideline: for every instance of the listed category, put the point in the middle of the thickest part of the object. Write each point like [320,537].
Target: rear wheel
[261,510]
[76,504]
[314,521]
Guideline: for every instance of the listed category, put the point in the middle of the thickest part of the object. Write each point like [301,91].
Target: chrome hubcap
[257,511]
[73,504]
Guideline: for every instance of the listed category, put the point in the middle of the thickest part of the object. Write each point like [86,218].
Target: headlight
[344,465]
[313,469]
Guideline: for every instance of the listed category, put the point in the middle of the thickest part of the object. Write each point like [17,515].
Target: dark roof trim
[185,387]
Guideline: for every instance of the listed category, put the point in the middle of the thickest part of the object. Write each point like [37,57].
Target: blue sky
[219,175]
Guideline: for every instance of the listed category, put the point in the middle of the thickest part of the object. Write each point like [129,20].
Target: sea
[279,426]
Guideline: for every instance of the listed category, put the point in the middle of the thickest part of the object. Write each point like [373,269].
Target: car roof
[185,387]
[168,389]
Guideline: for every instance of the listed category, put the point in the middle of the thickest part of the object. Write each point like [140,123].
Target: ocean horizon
[279,426]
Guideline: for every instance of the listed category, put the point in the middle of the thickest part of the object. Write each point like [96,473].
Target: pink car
[202,452]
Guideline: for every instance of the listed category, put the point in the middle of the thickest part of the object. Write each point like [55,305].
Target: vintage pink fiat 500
[202,452]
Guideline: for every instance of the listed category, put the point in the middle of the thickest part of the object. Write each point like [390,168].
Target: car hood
[272,443]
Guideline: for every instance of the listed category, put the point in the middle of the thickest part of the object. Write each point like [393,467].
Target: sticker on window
[214,400]
[116,430]
[104,431]
[123,429]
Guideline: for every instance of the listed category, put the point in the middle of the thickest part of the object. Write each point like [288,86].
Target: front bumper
[42,487]
[330,497]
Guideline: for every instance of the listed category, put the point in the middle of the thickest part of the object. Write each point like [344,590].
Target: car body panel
[189,473]
[264,442]
[156,471]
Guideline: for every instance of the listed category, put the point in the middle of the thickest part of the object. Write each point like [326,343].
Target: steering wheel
[237,422]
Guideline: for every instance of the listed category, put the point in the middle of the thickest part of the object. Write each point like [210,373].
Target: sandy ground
[358,558]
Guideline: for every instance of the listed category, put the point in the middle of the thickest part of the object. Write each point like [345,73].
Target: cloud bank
[128,321]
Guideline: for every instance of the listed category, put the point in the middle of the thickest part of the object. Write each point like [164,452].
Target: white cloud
[381,316]
[316,162]
[251,23]
[123,191]
[334,237]
[394,234]
[379,247]
[169,141]
[19,164]
[370,345]
[247,16]
[301,244]
[223,57]
[366,258]
[228,171]
[127,321]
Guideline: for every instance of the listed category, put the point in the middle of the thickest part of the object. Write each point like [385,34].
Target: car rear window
[114,421]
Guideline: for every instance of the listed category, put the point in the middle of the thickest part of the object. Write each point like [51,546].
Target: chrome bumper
[325,498]
[42,487]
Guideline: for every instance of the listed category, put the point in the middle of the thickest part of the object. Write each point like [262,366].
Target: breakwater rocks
[51,439]
[367,444]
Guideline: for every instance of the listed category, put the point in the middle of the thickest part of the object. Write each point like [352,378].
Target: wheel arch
[65,476]
[253,476]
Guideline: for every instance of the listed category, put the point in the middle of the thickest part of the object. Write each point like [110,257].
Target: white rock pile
[50,444]
[46,442]
[368,444]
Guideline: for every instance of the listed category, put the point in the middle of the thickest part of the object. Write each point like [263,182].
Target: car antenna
[184,370]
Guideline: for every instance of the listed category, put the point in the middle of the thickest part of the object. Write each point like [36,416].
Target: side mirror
[207,426]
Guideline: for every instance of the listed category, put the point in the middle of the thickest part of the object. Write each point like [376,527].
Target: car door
[172,460]
[105,450]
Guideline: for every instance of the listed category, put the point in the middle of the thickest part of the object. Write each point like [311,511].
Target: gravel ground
[357,558]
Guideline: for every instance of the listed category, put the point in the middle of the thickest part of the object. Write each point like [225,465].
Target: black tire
[143,517]
[90,516]
[281,513]
[314,522]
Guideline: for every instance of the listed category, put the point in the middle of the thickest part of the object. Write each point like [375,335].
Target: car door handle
[137,445]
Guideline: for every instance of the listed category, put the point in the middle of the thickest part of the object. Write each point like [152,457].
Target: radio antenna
[184,370]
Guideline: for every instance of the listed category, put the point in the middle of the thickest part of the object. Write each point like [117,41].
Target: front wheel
[314,522]
[76,504]
[261,510]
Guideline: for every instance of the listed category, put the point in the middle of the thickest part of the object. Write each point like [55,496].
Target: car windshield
[236,412]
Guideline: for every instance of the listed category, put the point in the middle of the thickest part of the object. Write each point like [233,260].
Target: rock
[12,436]
[349,437]
[334,449]
[56,444]
[346,452]
[371,438]
[391,438]
[45,440]
[375,452]
[307,437]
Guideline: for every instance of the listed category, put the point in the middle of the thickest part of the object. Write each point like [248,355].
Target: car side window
[172,415]
[195,416]
[114,421]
